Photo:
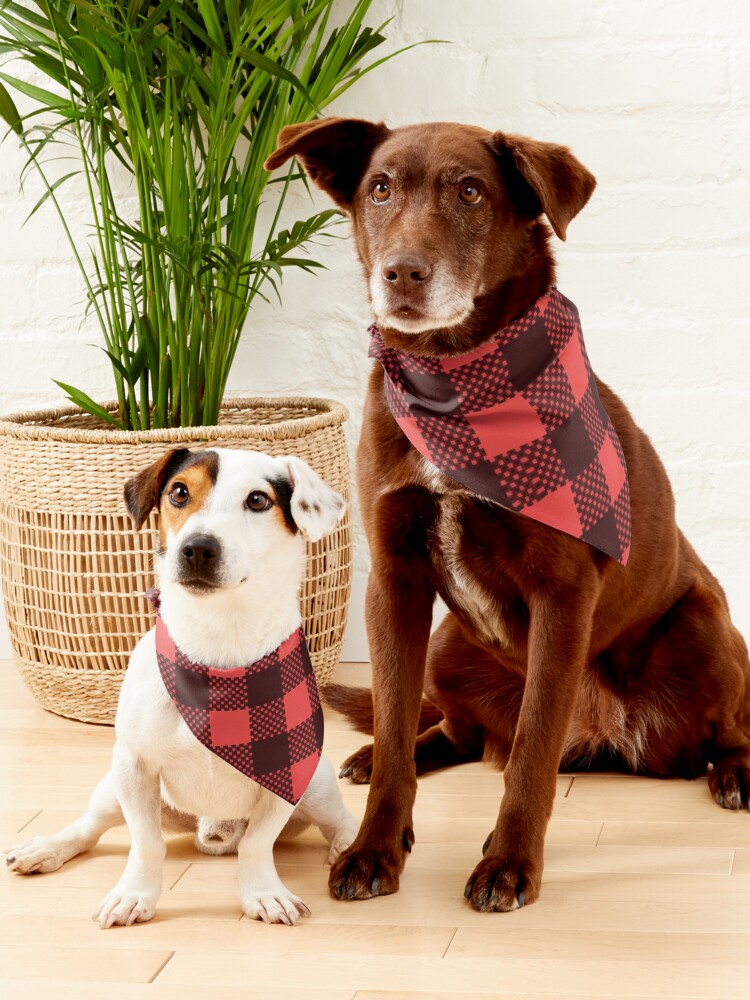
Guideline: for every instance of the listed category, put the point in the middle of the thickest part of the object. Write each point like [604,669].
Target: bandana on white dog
[264,718]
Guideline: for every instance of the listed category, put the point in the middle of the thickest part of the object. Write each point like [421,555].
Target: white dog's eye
[258,501]
[179,495]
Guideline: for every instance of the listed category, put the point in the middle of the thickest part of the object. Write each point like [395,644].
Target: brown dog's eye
[179,495]
[380,192]
[470,195]
[258,501]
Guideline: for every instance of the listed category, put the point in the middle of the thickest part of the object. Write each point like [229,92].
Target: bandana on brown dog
[519,421]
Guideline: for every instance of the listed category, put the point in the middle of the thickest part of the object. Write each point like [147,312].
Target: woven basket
[74,571]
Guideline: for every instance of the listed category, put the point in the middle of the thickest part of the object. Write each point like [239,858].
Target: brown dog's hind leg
[729,780]
[711,717]
[457,738]
[434,751]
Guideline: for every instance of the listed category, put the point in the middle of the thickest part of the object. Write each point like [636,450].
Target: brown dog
[552,652]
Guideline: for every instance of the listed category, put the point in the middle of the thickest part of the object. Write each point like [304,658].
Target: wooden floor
[646,894]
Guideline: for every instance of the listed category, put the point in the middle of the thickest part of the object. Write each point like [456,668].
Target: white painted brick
[673,19]
[693,423]
[678,283]
[475,22]
[637,356]
[430,81]
[505,85]
[666,216]
[42,238]
[673,145]
[633,79]
[16,304]
[740,59]
[722,552]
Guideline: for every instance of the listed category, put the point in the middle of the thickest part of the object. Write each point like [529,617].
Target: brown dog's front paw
[361,873]
[501,884]
[358,767]
[729,782]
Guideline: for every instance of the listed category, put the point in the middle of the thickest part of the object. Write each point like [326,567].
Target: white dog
[229,566]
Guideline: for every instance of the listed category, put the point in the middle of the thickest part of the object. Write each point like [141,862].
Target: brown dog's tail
[355,704]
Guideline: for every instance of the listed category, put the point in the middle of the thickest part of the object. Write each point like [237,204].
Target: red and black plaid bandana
[519,421]
[265,719]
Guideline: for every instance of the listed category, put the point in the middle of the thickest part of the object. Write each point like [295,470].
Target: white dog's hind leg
[262,893]
[134,898]
[47,854]
[323,806]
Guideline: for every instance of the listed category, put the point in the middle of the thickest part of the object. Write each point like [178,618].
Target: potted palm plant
[185,99]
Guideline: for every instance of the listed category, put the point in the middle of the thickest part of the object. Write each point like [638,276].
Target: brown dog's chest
[473,545]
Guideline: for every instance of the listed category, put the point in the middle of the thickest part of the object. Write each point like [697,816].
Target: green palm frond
[188,96]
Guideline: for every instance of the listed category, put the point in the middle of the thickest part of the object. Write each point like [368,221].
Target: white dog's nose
[199,551]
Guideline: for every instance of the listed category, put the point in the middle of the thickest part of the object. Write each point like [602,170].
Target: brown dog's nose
[408,269]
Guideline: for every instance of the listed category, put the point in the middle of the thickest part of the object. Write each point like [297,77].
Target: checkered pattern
[519,421]
[265,719]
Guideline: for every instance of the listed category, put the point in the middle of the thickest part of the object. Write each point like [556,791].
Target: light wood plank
[92,870]
[168,930]
[79,990]
[519,975]
[462,995]
[621,797]
[563,943]
[100,964]
[741,862]
[12,821]
[585,857]
[728,834]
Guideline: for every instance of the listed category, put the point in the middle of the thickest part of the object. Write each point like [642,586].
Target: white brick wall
[653,96]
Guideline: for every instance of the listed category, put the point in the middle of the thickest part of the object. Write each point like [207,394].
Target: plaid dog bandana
[519,421]
[265,719]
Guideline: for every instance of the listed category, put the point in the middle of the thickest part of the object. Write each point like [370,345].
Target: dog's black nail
[10,859]
[486,844]
[468,890]
[521,899]
[375,887]
[345,772]
[350,891]
[408,841]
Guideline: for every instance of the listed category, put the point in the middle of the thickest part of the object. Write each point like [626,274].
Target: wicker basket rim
[30,424]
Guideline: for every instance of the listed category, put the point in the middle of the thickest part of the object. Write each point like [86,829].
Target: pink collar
[520,422]
[265,718]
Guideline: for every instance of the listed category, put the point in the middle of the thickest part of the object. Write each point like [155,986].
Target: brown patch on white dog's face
[281,494]
[186,492]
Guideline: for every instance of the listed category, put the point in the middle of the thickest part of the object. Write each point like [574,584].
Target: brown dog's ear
[142,492]
[543,177]
[333,151]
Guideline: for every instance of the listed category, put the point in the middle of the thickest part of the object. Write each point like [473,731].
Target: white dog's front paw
[126,905]
[274,906]
[39,855]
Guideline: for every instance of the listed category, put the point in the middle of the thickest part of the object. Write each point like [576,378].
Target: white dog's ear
[315,507]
